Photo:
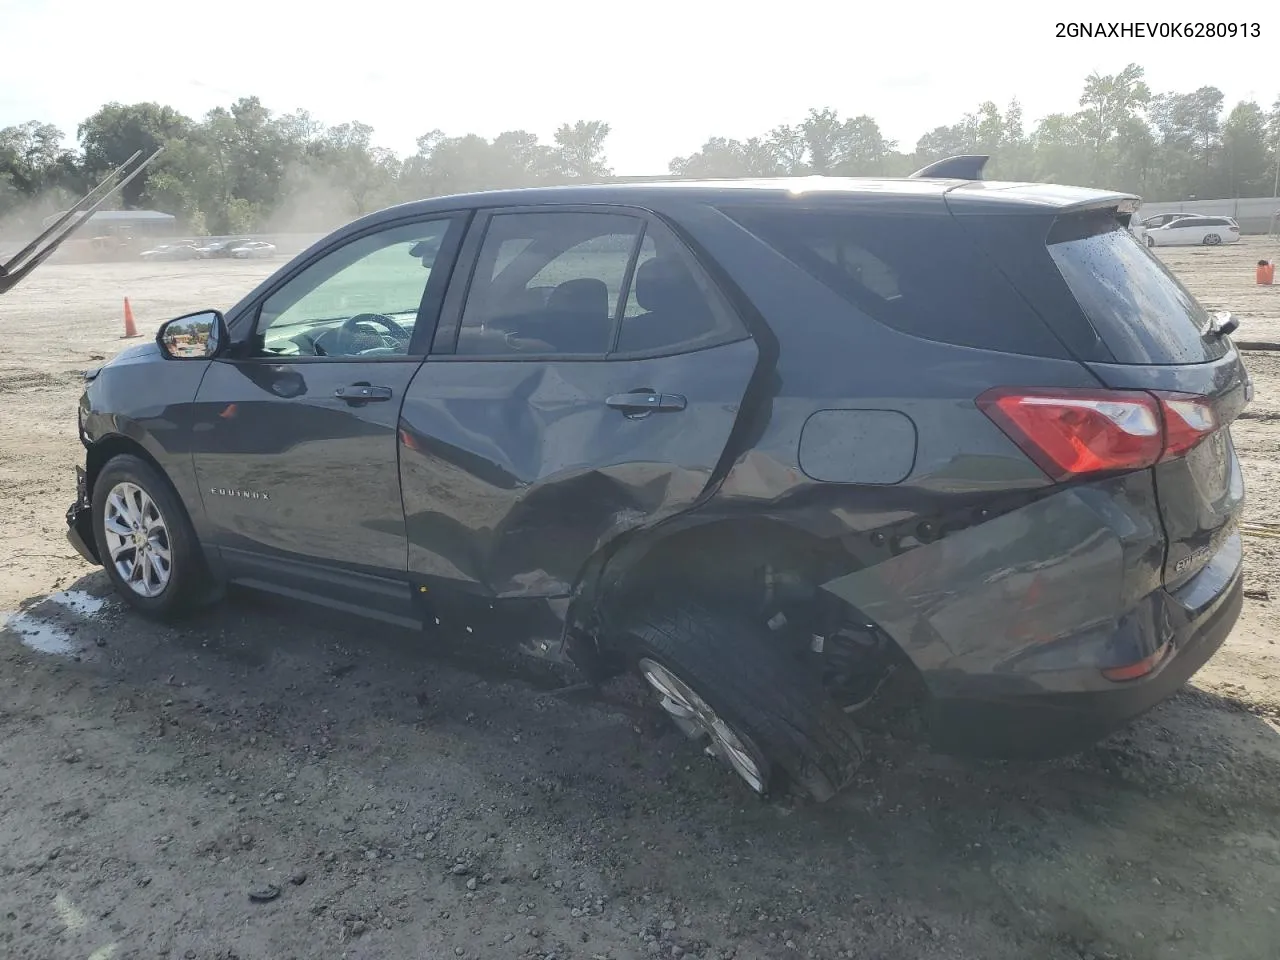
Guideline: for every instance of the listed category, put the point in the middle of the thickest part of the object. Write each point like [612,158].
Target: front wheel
[727,680]
[145,540]
[1150,242]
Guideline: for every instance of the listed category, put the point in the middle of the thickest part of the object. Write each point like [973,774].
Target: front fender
[142,403]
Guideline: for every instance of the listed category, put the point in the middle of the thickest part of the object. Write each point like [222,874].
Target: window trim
[246,322]
[444,345]
[624,294]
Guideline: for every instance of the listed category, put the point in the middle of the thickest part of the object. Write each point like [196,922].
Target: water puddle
[45,636]
[39,635]
[77,601]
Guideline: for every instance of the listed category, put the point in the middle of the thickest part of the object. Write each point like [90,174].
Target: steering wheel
[346,335]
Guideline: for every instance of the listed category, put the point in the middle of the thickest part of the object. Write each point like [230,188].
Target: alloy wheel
[137,539]
[695,717]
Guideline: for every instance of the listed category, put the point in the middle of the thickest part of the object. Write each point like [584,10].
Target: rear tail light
[1187,421]
[1234,229]
[1134,671]
[1071,433]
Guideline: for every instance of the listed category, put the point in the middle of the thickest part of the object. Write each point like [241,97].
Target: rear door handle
[356,393]
[646,401]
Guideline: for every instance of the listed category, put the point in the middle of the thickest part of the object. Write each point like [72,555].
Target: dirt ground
[413,802]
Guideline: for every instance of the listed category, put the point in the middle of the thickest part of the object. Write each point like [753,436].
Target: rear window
[1135,304]
[920,274]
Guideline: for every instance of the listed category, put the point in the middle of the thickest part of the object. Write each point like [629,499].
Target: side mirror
[196,336]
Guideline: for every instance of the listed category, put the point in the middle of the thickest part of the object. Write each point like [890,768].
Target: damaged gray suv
[766,443]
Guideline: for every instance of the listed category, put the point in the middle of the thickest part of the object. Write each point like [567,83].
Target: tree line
[244,168]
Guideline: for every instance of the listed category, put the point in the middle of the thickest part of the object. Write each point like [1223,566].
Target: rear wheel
[145,540]
[1212,240]
[728,681]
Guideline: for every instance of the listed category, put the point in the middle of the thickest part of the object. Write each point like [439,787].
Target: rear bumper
[1043,725]
[79,521]
[1011,623]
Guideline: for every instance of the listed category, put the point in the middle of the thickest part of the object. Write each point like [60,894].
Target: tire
[187,584]
[778,710]
[1212,240]
[1150,242]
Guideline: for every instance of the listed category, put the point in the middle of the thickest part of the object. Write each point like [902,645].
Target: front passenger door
[296,448]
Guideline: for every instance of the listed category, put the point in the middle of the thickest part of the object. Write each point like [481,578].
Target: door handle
[644,402]
[356,393]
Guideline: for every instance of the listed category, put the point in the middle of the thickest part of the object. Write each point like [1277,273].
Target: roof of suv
[968,194]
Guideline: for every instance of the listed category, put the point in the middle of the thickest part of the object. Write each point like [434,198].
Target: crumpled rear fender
[1031,601]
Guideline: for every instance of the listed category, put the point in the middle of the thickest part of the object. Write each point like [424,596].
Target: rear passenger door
[584,380]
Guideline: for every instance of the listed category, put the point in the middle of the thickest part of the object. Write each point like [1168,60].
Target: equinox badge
[243,494]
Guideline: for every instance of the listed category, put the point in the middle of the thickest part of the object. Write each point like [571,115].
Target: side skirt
[382,598]
[534,626]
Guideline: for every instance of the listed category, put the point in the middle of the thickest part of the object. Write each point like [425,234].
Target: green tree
[1246,158]
[721,157]
[1060,149]
[787,144]
[580,149]
[112,134]
[1189,125]
[33,158]
[1109,103]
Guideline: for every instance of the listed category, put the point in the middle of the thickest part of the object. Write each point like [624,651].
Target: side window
[362,300]
[547,283]
[903,270]
[671,305]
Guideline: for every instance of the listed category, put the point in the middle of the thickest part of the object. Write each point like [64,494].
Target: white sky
[666,74]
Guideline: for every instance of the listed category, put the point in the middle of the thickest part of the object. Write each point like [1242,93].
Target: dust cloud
[314,203]
[22,222]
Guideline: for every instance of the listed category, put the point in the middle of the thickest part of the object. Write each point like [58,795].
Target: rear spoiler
[33,254]
[968,167]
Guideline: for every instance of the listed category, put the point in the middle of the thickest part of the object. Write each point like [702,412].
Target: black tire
[1150,242]
[1212,240]
[742,672]
[189,586]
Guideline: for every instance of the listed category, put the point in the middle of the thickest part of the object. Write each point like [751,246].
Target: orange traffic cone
[130,328]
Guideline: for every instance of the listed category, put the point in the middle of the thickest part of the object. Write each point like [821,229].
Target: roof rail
[967,167]
[29,257]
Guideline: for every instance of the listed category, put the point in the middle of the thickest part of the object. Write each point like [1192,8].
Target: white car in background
[1193,231]
[253,250]
[1160,219]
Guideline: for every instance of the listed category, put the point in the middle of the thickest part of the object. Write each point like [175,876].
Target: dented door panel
[515,472]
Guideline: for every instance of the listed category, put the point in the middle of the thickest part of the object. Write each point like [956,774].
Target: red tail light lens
[1071,433]
[1187,421]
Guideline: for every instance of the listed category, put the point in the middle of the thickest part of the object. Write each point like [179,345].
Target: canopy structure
[111,220]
